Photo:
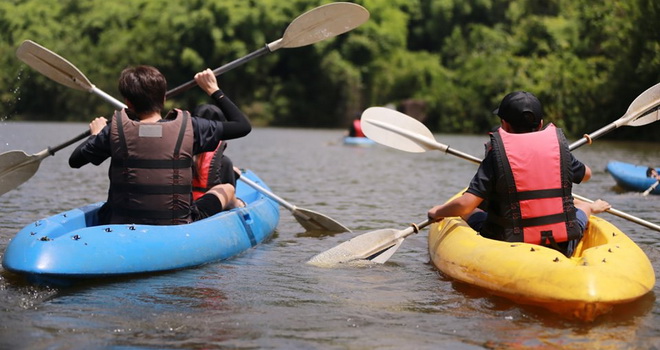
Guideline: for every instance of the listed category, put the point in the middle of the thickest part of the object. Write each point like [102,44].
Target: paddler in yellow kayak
[525,183]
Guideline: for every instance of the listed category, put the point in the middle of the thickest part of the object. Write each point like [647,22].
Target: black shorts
[207,205]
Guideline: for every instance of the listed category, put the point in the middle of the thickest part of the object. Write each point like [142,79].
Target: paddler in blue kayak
[151,156]
[525,183]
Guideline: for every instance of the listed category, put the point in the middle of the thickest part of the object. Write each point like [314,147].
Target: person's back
[151,158]
[525,182]
[150,170]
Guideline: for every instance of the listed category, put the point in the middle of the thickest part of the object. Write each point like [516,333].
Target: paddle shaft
[268,193]
[623,215]
[651,188]
[219,71]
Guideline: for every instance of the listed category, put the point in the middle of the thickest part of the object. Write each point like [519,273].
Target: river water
[268,298]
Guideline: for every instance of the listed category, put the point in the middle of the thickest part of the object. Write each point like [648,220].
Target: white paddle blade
[322,23]
[313,221]
[53,66]
[16,167]
[397,130]
[387,254]
[362,247]
[646,118]
[650,97]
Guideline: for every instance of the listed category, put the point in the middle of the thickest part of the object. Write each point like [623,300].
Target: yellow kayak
[607,268]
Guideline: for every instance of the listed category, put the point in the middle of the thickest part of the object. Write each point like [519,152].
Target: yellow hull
[608,268]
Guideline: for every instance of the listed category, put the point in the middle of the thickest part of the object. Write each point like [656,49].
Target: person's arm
[237,124]
[94,149]
[460,206]
[581,172]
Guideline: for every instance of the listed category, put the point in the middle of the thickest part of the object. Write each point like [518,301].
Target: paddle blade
[363,247]
[313,221]
[16,167]
[322,23]
[397,130]
[53,66]
[646,118]
[644,109]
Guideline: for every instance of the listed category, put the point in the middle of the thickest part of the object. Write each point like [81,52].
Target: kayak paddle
[377,246]
[643,110]
[16,167]
[397,130]
[646,193]
[315,25]
[310,220]
[59,69]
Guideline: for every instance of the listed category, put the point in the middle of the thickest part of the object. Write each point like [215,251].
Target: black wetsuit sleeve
[95,150]
[209,132]
[237,124]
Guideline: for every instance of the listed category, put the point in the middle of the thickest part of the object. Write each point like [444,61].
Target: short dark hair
[144,87]
[649,171]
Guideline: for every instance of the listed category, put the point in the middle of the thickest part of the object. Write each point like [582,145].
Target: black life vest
[533,200]
[151,170]
[207,170]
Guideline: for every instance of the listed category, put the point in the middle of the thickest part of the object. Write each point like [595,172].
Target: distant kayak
[632,177]
[607,268]
[358,141]
[69,246]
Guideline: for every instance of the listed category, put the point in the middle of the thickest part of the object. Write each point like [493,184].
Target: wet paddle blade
[322,23]
[16,167]
[363,247]
[53,66]
[313,221]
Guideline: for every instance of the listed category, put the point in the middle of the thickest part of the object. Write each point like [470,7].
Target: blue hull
[631,177]
[358,141]
[67,246]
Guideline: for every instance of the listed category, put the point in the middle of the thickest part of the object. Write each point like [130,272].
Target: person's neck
[151,117]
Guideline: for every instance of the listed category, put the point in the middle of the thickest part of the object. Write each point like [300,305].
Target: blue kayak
[69,246]
[358,141]
[632,177]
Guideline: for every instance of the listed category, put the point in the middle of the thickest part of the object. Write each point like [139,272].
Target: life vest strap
[152,163]
[153,189]
[152,214]
[540,194]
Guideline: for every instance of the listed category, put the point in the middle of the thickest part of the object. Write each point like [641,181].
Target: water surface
[268,298]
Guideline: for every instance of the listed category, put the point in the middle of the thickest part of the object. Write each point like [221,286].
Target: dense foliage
[453,59]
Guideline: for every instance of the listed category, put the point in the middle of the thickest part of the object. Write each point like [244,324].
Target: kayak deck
[608,268]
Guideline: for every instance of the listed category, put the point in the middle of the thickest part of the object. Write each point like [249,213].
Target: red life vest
[534,203]
[358,129]
[151,170]
[207,170]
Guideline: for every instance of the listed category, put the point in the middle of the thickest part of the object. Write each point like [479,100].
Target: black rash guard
[207,134]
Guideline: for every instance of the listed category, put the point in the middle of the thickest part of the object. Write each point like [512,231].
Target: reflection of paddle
[646,193]
[310,220]
[643,110]
[318,24]
[397,130]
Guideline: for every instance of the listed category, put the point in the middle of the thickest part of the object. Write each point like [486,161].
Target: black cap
[520,108]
